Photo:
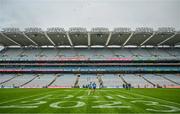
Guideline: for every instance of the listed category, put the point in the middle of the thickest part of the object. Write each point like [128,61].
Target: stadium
[89,57]
[135,71]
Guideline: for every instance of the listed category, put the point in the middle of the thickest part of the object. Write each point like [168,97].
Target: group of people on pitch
[92,87]
[127,86]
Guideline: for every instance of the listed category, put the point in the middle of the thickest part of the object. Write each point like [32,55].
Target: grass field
[80,101]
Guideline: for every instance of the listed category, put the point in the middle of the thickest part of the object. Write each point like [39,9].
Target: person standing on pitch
[94,87]
[90,88]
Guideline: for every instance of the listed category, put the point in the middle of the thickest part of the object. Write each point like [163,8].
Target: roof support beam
[148,39]
[49,38]
[109,37]
[128,38]
[167,39]
[9,39]
[29,39]
[69,39]
[89,39]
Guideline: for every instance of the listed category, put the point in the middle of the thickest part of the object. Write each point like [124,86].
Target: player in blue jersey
[90,85]
[94,87]
[90,88]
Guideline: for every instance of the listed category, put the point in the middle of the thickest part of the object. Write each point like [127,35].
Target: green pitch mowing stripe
[84,101]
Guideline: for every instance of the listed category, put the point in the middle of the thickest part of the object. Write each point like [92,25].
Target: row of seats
[68,80]
[95,68]
[65,81]
[45,54]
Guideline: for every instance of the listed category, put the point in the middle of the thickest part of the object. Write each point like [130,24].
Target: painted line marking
[109,97]
[40,98]
[151,97]
[26,97]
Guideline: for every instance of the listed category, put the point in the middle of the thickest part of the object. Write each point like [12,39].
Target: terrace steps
[123,79]
[148,81]
[170,80]
[8,80]
[29,81]
[57,76]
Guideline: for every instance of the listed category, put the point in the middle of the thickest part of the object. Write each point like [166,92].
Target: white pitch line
[69,96]
[151,97]
[109,97]
[104,90]
[40,98]
[25,97]
[72,90]
[121,96]
[88,113]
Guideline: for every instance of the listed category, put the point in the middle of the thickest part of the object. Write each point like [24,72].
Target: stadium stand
[19,80]
[85,79]
[6,78]
[158,80]
[112,81]
[64,81]
[40,81]
[173,78]
[56,58]
[136,81]
[94,54]
[109,80]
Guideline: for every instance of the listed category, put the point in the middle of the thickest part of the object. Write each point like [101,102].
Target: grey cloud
[89,13]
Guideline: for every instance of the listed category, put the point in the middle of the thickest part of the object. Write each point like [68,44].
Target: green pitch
[82,101]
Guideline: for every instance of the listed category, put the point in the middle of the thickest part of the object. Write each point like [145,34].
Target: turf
[82,101]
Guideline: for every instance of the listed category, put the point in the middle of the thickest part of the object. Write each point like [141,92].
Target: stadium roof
[99,36]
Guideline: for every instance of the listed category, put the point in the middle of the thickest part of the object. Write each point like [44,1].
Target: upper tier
[59,54]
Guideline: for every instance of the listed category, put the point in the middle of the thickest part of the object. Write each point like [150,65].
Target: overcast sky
[89,13]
